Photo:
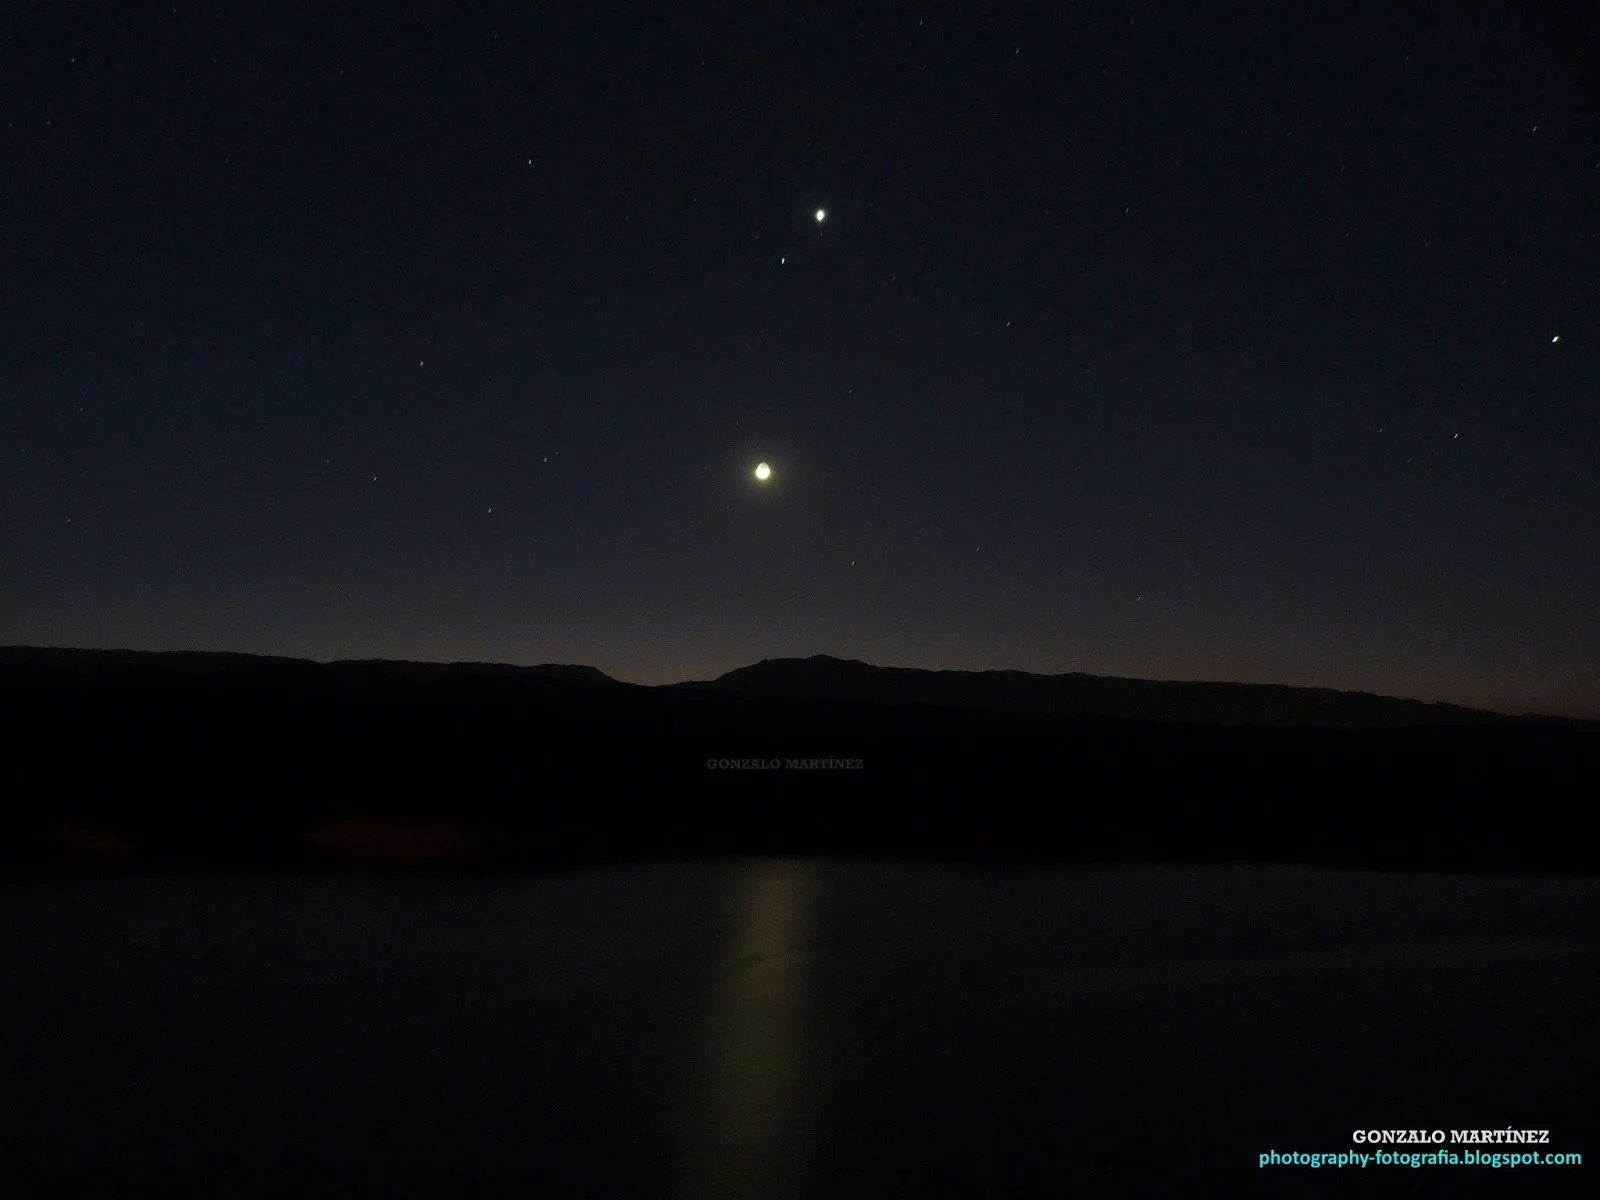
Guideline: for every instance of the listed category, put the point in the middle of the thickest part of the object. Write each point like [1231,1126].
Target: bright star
[763,472]
[821,213]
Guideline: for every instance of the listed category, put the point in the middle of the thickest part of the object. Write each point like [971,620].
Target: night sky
[1255,341]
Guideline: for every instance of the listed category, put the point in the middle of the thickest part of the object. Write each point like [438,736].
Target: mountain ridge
[1078,693]
[214,662]
[818,677]
[240,760]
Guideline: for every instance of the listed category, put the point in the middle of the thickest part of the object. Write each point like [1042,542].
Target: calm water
[783,1029]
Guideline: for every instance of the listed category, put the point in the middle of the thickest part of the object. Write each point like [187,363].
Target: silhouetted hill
[219,758]
[1077,695]
[178,665]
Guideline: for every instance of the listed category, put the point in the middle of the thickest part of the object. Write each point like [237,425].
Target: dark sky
[1176,341]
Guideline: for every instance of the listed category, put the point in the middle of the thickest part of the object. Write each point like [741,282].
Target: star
[821,215]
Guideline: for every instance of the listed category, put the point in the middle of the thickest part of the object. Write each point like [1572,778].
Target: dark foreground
[789,1028]
[177,762]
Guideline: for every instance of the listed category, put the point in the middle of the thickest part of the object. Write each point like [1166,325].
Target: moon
[763,472]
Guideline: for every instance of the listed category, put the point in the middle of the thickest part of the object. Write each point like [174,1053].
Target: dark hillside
[230,759]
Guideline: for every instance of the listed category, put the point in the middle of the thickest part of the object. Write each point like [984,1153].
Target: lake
[784,1028]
